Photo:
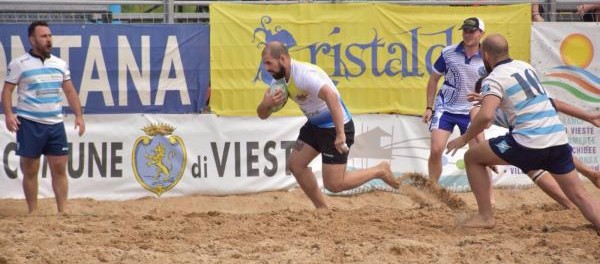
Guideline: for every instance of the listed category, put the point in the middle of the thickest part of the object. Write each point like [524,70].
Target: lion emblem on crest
[159,158]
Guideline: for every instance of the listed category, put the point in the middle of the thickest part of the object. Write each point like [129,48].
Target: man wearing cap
[536,139]
[460,65]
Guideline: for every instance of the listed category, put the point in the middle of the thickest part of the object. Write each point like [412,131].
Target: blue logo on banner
[388,57]
[280,35]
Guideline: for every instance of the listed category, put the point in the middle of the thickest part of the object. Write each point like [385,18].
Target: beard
[44,50]
[487,65]
[279,74]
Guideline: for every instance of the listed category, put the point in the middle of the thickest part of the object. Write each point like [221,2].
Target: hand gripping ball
[279,85]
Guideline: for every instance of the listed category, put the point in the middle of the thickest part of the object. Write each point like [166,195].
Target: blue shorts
[35,139]
[555,159]
[323,139]
[447,121]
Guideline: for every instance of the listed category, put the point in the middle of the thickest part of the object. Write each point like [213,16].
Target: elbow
[487,119]
[262,115]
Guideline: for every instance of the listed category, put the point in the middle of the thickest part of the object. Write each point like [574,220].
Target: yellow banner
[379,55]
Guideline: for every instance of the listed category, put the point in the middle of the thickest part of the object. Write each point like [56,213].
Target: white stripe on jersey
[39,87]
[460,75]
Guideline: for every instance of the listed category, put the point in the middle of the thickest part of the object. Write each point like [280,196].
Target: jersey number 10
[530,83]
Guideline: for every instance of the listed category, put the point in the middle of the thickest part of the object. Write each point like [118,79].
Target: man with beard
[536,141]
[329,130]
[38,121]
[461,66]
[542,178]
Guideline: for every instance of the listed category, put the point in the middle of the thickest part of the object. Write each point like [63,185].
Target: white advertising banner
[124,157]
[567,58]
[404,141]
[128,156]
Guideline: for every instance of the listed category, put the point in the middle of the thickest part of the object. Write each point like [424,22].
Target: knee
[58,175]
[472,158]
[436,152]
[334,187]
[28,176]
[469,156]
[296,169]
[29,173]
[576,195]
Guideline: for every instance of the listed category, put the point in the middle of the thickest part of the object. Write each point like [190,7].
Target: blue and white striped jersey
[39,85]
[501,120]
[525,104]
[460,75]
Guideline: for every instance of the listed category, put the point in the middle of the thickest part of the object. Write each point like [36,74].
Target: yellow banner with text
[378,55]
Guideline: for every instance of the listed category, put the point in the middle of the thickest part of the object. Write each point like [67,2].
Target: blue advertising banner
[126,68]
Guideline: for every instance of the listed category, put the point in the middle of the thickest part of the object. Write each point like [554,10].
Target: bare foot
[33,213]
[387,176]
[478,221]
[63,214]
[322,208]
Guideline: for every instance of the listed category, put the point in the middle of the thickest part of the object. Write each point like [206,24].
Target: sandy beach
[416,225]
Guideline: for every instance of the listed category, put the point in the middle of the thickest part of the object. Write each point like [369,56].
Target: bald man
[542,178]
[329,130]
[537,138]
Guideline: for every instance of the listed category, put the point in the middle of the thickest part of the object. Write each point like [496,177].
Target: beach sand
[413,226]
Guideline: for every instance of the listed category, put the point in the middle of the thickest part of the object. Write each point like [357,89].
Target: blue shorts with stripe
[447,121]
[555,159]
[35,139]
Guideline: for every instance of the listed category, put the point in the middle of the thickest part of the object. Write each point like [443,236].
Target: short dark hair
[35,24]
[276,49]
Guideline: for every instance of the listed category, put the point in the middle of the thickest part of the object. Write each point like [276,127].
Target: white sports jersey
[39,86]
[304,85]
[460,75]
[501,120]
[525,104]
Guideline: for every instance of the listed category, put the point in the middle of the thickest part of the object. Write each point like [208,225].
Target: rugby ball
[279,85]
